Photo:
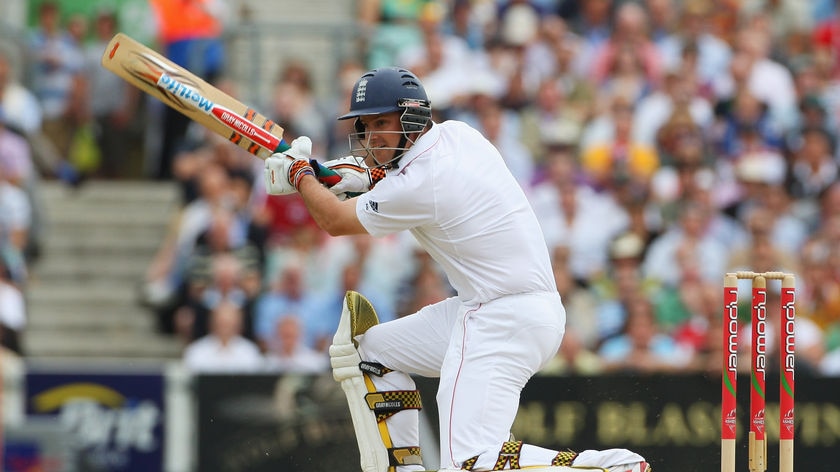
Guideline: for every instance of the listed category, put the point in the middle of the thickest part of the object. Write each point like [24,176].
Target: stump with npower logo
[758,358]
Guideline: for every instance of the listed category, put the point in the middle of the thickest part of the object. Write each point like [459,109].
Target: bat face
[190,95]
[203,103]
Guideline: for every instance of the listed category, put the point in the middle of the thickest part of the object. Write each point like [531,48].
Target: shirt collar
[423,143]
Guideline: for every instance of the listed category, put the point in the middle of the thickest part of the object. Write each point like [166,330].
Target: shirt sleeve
[396,204]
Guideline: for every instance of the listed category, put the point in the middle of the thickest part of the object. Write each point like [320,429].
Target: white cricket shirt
[454,193]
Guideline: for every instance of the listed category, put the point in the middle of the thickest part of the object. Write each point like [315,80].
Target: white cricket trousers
[484,354]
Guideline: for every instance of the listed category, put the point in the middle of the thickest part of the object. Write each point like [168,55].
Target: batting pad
[358,316]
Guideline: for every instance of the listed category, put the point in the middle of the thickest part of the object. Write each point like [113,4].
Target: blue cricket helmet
[390,89]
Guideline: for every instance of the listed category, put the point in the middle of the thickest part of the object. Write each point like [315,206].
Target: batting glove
[356,177]
[284,170]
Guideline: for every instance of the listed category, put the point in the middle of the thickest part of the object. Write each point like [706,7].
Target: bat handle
[324,174]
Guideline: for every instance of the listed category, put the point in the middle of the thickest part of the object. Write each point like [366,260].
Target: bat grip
[324,174]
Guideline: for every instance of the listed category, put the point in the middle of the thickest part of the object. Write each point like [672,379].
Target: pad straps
[386,404]
[404,456]
[509,458]
[564,458]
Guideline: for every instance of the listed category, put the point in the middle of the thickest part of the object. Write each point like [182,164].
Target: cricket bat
[203,103]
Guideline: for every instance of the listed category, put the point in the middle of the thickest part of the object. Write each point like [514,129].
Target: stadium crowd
[662,143]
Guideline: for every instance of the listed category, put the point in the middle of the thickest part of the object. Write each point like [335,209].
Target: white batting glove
[356,177]
[284,170]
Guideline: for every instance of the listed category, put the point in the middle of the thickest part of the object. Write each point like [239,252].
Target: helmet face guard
[388,90]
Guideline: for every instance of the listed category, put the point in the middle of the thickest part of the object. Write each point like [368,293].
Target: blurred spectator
[59,83]
[287,293]
[21,108]
[766,205]
[663,17]
[609,152]
[767,80]
[20,113]
[166,270]
[15,157]
[293,103]
[580,93]
[223,349]
[77,28]
[687,311]
[628,62]
[190,34]
[826,35]
[591,20]
[338,131]
[376,271]
[642,347]
[424,284]
[762,253]
[625,75]
[496,124]
[288,223]
[830,364]
[548,122]
[288,352]
[573,358]
[678,136]
[687,244]
[520,28]
[813,113]
[17,169]
[12,312]
[202,147]
[713,53]
[818,290]
[623,280]
[217,277]
[573,215]
[324,324]
[789,23]
[464,21]
[390,27]
[813,165]
[443,61]
[746,127]
[112,102]
[580,304]
[677,95]
[708,357]
[15,223]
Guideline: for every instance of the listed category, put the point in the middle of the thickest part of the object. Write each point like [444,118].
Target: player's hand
[284,170]
[356,177]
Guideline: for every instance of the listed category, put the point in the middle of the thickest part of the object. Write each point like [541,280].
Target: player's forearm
[334,216]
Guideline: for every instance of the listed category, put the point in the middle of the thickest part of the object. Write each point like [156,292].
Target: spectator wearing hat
[547,121]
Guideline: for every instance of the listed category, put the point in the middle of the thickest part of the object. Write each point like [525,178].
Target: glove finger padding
[283,171]
[356,178]
[276,175]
